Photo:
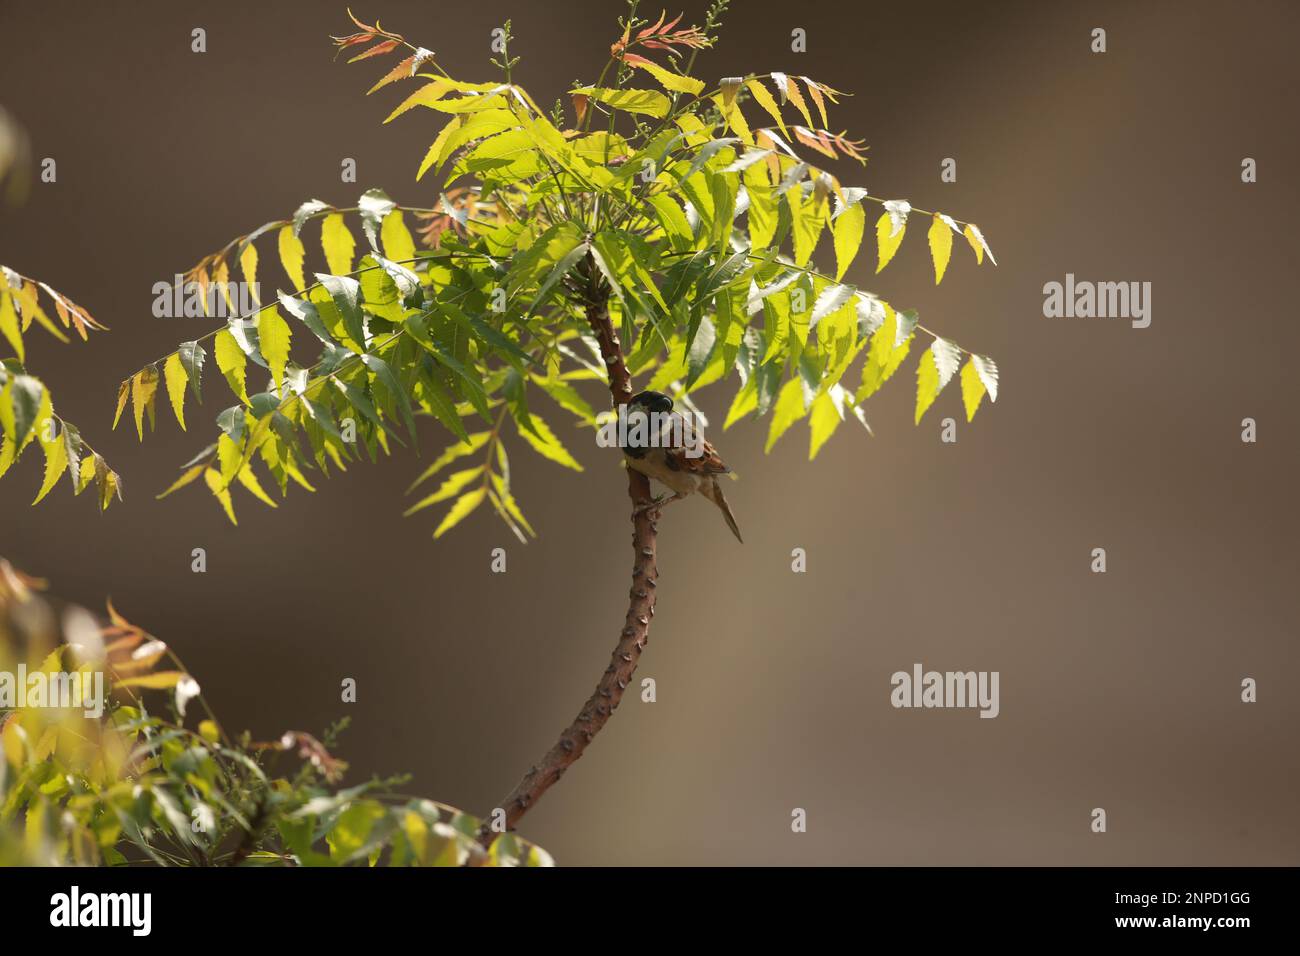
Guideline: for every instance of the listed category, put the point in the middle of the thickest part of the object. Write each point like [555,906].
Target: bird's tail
[713,491]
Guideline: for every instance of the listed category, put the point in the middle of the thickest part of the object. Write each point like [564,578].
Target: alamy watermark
[635,428]
[180,299]
[1074,299]
[922,688]
[82,690]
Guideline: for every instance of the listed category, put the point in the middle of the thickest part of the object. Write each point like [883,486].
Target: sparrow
[672,464]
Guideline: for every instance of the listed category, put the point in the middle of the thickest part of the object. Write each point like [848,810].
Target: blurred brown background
[1118,690]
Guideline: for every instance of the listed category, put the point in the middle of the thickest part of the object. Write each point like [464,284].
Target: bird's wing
[707,463]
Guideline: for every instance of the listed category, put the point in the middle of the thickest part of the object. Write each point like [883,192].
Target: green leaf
[374,206]
[192,356]
[461,510]
[345,293]
[20,404]
[9,325]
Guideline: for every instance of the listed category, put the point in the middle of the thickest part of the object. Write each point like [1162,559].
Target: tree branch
[641,601]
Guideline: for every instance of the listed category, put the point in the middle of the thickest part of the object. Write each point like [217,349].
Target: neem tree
[653,231]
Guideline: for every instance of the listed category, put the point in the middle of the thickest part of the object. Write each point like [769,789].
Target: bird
[666,458]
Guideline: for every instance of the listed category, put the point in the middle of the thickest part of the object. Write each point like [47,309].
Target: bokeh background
[1118,690]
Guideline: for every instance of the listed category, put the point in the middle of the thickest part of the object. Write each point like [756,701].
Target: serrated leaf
[789,408]
[670,80]
[976,240]
[888,239]
[56,462]
[451,486]
[232,363]
[218,488]
[123,396]
[192,356]
[988,373]
[186,478]
[274,336]
[398,244]
[305,212]
[373,207]
[940,237]
[547,445]
[248,265]
[337,242]
[144,388]
[464,505]
[765,99]
[847,229]
[292,256]
[450,454]
[176,379]
[972,389]
[823,419]
[649,102]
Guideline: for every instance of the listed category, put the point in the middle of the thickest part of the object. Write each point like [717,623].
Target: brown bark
[636,626]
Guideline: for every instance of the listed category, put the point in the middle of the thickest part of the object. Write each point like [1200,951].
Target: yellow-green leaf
[56,462]
[9,325]
[177,380]
[232,363]
[789,408]
[650,102]
[292,255]
[398,244]
[461,510]
[972,388]
[337,241]
[451,486]
[670,80]
[218,488]
[186,477]
[249,480]
[940,237]
[848,228]
[765,99]
[927,383]
[123,395]
[144,387]
[887,239]
[158,680]
[822,422]
[547,445]
[273,335]
[248,265]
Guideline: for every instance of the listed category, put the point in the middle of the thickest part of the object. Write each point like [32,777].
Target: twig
[641,601]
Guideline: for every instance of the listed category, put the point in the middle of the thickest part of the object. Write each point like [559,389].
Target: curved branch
[641,604]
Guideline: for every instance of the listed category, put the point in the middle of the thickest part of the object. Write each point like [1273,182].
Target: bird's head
[652,402]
